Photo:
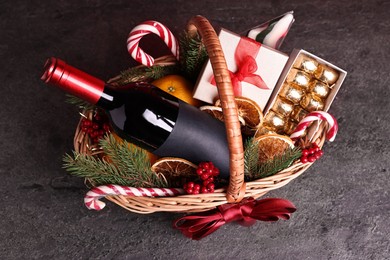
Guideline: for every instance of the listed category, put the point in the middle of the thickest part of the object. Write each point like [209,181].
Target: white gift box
[270,64]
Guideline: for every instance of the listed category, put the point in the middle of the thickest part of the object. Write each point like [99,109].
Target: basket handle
[236,189]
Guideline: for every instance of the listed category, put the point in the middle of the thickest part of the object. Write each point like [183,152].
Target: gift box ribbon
[246,51]
[245,213]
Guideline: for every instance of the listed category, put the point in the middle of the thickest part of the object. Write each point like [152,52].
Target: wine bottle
[147,116]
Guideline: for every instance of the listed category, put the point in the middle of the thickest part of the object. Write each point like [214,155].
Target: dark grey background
[343,200]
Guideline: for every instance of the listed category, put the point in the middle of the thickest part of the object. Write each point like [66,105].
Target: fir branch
[130,166]
[255,170]
[192,55]
[142,73]
[251,156]
[98,171]
[125,156]
[79,102]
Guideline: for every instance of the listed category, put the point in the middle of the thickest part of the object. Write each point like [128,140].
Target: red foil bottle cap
[72,80]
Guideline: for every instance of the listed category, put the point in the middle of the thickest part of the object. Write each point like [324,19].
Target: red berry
[312,150]
[210,186]
[305,152]
[106,127]
[199,171]
[304,159]
[215,172]
[90,131]
[196,187]
[204,190]
[189,191]
[190,184]
[311,158]
[84,129]
[204,176]
[206,166]
[85,122]
[95,126]
[97,117]
[319,154]
[315,145]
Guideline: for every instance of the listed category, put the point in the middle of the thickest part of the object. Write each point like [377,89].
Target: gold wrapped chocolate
[290,127]
[305,63]
[292,92]
[299,78]
[326,74]
[274,121]
[311,102]
[319,88]
[283,106]
[298,113]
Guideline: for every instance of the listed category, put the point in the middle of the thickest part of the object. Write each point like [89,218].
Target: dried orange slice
[175,170]
[216,112]
[271,145]
[249,111]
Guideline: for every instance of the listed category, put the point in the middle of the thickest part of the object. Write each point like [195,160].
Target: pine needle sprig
[130,166]
[256,170]
[192,54]
[142,73]
[125,155]
[251,156]
[98,171]
[84,105]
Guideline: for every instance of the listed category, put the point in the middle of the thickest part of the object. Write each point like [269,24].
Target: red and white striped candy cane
[314,116]
[91,199]
[143,29]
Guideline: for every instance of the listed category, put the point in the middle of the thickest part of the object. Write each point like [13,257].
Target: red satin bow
[246,50]
[245,213]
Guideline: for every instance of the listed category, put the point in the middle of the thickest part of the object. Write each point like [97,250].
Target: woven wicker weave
[237,188]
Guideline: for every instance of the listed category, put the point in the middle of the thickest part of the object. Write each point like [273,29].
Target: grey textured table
[343,200]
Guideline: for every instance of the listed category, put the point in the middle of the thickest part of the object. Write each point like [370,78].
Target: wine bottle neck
[73,81]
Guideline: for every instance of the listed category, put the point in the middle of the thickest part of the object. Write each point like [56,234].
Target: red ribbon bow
[245,213]
[246,50]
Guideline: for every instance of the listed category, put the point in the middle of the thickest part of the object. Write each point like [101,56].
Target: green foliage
[130,166]
[256,170]
[192,55]
[79,102]
[141,73]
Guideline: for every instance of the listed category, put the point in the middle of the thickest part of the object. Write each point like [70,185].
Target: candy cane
[314,116]
[272,33]
[146,28]
[91,199]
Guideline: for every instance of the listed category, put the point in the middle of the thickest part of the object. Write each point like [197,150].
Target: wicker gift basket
[238,189]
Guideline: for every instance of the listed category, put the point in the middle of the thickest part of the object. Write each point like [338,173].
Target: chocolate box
[307,83]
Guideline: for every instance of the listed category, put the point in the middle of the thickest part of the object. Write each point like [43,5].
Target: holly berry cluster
[95,128]
[311,154]
[206,172]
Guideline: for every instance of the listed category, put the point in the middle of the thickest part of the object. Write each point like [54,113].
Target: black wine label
[197,137]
